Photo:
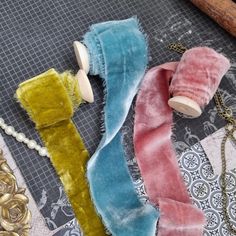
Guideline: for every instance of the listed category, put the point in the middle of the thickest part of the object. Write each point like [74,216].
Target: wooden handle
[222,11]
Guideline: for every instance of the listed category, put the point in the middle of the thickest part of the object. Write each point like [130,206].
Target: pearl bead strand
[20,137]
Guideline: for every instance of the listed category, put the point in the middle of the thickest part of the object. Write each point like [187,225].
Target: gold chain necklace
[225,113]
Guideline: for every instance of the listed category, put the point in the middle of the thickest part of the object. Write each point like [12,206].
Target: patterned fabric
[205,189]
[214,152]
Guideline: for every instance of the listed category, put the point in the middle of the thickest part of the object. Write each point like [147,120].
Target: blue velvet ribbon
[118,54]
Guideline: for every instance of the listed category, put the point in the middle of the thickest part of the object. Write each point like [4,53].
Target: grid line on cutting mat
[37,35]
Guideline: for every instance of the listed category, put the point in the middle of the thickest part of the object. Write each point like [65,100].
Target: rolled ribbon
[118,53]
[198,74]
[50,99]
[154,151]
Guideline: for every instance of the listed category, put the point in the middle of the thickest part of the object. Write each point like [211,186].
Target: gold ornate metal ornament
[14,213]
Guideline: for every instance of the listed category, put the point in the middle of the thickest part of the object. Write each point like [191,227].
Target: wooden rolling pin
[222,11]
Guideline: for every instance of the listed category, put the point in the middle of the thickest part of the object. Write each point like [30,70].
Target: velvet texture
[118,54]
[195,79]
[156,157]
[198,74]
[50,99]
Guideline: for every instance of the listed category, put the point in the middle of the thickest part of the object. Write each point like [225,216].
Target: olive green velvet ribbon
[50,100]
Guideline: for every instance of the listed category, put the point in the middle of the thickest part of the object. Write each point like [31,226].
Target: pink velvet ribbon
[157,159]
[198,74]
